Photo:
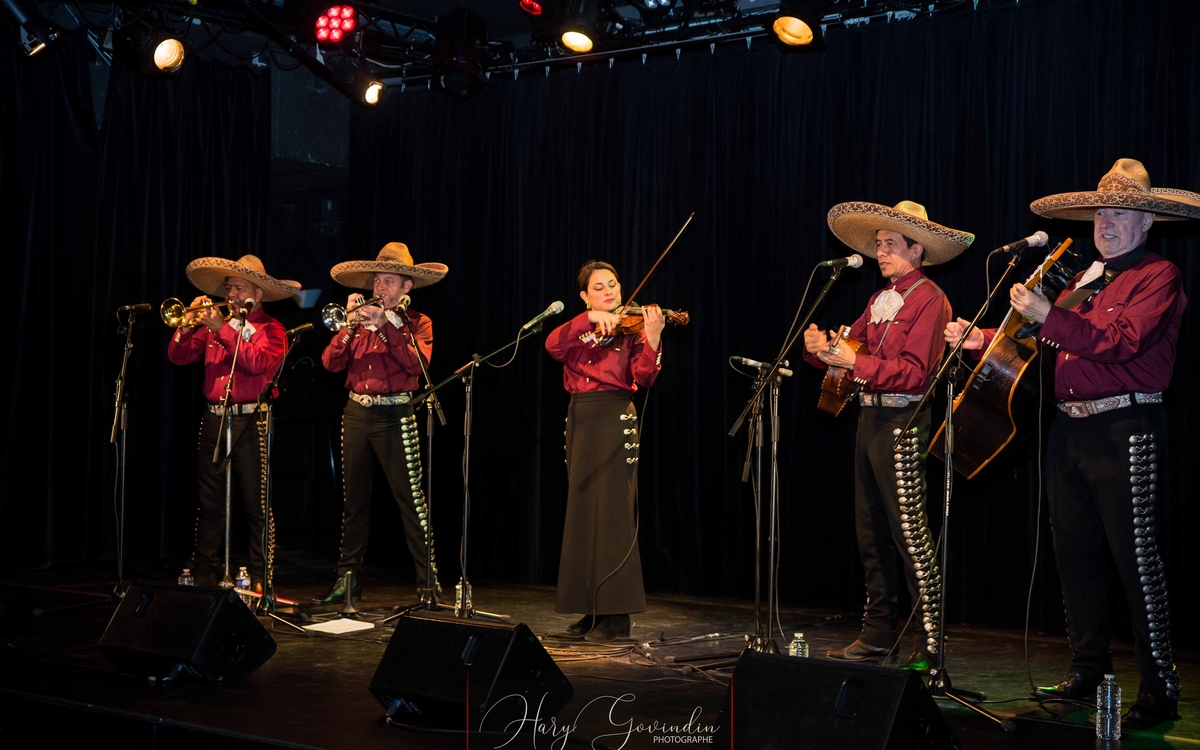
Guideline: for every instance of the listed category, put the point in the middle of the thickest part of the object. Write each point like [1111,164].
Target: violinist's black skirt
[600,570]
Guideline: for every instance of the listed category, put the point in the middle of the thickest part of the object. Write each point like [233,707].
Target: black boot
[608,628]
[337,593]
[582,626]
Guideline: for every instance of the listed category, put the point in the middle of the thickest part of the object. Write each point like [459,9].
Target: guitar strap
[904,297]
[1085,292]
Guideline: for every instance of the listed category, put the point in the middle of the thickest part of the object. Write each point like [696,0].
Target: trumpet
[174,313]
[334,316]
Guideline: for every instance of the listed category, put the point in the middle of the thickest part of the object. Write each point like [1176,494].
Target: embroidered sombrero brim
[209,274]
[1167,204]
[856,222]
[393,258]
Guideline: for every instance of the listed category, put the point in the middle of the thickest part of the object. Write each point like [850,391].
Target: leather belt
[236,409]
[892,400]
[1079,409]
[387,399]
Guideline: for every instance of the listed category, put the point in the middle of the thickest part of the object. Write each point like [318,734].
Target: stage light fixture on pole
[797,27]
[460,55]
[653,10]
[33,31]
[335,24]
[352,78]
[150,49]
[582,25]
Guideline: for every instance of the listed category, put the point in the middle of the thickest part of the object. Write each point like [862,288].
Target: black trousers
[889,517]
[1103,485]
[600,567]
[248,485]
[389,434]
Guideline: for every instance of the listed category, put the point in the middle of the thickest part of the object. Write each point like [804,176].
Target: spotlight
[360,84]
[544,17]
[33,31]
[335,24]
[150,49]
[460,54]
[653,10]
[581,26]
[796,27]
[532,7]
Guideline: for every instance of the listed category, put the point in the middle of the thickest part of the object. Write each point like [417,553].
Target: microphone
[302,328]
[245,308]
[762,365]
[554,309]
[854,261]
[140,307]
[405,301]
[1037,239]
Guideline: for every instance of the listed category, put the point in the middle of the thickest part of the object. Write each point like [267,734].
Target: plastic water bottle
[243,579]
[798,646]
[186,579]
[1108,709]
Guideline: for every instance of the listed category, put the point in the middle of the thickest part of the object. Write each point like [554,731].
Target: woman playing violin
[600,569]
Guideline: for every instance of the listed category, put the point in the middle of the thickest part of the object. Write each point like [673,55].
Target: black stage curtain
[973,113]
[96,219]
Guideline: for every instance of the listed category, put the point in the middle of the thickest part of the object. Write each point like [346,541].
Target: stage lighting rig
[335,24]
[356,82]
[460,57]
[152,50]
[583,24]
[797,27]
[33,31]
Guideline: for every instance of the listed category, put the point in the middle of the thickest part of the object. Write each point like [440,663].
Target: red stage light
[532,7]
[335,23]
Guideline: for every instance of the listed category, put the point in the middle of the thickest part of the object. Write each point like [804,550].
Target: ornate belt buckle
[1076,409]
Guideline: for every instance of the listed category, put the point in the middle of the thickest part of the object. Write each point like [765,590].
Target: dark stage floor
[56,685]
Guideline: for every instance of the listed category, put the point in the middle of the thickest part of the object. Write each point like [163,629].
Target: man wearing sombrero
[245,284]
[901,332]
[383,368]
[1115,328]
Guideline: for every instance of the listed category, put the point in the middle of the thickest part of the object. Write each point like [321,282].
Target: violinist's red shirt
[381,361]
[257,359]
[626,363]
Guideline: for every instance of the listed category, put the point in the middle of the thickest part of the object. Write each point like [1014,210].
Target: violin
[632,321]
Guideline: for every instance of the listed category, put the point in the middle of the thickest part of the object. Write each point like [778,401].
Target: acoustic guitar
[837,388]
[983,412]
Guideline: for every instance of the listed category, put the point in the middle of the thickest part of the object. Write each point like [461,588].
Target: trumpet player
[376,351]
[208,336]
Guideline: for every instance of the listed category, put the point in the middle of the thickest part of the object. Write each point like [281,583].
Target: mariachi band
[1111,327]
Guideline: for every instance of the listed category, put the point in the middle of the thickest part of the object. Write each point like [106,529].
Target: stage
[313,693]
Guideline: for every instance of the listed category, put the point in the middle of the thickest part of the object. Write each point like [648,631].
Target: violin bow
[660,258]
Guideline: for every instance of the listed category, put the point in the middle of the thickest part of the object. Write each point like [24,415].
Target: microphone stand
[463,606]
[121,425]
[226,426]
[939,678]
[769,375]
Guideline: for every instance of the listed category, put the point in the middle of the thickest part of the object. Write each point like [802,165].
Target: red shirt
[1122,339]
[905,359]
[381,361]
[257,359]
[623,365]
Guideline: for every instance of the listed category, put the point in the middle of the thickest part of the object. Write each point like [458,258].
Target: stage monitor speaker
[164,631]
[433,664]
[816,704]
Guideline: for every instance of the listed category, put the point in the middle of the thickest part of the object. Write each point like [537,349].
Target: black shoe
[337,593]
[608,628]
[919,661]
[1153,708]
[582,626]
[858,651]
[1075,686]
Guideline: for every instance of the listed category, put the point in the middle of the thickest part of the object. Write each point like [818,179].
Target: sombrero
[1127,185]
[209,274]
[393,258]
[856,222]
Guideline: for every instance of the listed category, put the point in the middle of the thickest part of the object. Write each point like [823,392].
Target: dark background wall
[973,114]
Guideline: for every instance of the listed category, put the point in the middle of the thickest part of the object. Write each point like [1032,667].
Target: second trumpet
[334,316]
